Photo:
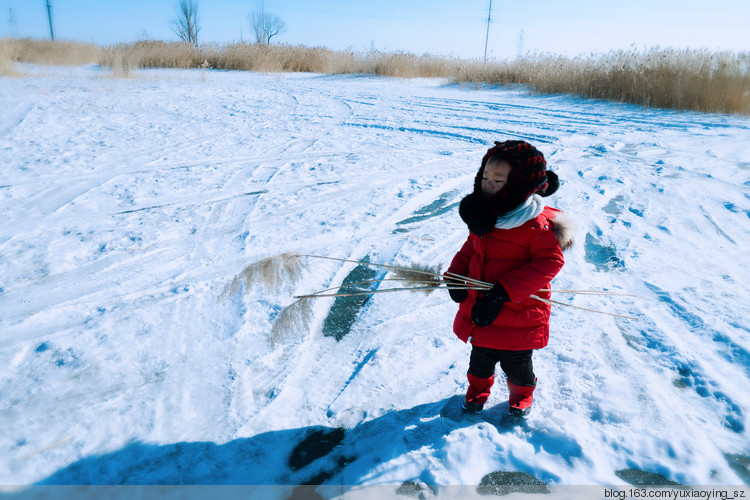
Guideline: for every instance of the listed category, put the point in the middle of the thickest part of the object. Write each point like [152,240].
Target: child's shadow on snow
[542,438]
[308,455]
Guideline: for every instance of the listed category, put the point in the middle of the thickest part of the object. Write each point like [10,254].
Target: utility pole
[49,16]
[263,22]
[487,37]
[12,21]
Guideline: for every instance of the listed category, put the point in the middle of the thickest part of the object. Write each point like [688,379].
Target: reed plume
[293,321]
[273,273]
[416,275]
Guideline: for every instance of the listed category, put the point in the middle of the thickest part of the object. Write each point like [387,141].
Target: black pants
[517,365]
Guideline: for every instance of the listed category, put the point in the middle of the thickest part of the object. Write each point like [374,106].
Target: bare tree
[185,25]
[266,26]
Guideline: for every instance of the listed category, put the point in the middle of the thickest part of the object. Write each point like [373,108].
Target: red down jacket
[524,260]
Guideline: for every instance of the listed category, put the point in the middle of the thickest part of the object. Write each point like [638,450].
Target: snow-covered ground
[130,207]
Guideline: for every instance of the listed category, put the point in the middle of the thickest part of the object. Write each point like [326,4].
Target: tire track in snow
[14,118]
[148,160]
[276,153]
[69,218]
[91,284]
[85,289]
[297,148]
[418,131]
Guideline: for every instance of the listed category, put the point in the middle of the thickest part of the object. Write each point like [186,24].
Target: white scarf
[531,208]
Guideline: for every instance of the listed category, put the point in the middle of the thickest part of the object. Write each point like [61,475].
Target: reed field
[697,80]
[47,52]
[686,79]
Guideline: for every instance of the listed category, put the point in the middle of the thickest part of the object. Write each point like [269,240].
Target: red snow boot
[477,394]
[521,396]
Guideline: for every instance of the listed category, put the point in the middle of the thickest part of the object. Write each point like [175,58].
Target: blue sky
[441,27]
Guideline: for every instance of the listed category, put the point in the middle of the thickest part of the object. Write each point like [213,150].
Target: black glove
[488,307]
[458,294]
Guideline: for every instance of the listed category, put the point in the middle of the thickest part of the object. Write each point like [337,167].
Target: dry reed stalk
[391,290]
[424,274]
[370,292]
[414,270]
[122,66]
[478,283]
[592,292]
[6,64]
[294,318]
[425,285]
[386,266]
[369,282]
[418,273]
[455,286]
[550,301]
[427,288]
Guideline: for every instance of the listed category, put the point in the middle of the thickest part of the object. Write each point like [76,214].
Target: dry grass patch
[275,58]
[151,54]
[6,63]
[665,78]
[49,52]
[405,65]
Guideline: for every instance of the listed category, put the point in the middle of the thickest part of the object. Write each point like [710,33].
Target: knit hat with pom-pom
[528,175]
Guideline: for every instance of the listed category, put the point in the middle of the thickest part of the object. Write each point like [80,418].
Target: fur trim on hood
[565,230]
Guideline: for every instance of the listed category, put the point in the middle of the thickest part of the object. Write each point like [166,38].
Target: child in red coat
[516,243]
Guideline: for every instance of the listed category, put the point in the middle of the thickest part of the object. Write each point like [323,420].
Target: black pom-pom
[553,182]
[476,211]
